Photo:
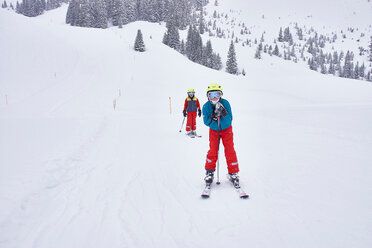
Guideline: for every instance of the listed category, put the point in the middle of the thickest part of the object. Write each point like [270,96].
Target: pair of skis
[207,191]
[193,135]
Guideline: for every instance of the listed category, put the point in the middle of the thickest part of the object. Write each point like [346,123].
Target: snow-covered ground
[75,172]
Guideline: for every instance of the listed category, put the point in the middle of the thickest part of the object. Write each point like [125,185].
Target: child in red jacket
[190,108]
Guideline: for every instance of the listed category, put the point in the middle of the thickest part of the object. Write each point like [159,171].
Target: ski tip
[244,196]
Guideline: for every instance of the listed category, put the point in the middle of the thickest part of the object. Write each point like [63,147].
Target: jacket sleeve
[185,106]
[198,104]
[206,115]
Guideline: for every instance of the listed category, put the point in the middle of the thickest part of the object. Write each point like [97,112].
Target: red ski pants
[228,142]
[191,121]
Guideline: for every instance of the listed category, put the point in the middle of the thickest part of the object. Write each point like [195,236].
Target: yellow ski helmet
[214,87]
[191,90]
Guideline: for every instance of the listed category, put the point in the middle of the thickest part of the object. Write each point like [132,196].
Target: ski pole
[182,123]
[218,152]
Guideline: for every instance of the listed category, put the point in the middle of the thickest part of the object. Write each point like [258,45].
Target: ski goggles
[190,93]
[214,94]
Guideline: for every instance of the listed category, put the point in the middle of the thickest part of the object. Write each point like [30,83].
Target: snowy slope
[346,26]
[77,173]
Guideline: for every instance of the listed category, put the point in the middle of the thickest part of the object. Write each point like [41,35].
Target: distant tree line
[336,63]
[5,5]
[98,13]
[193,48]
[33,8]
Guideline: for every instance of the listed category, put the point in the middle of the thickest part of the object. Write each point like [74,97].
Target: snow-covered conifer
[173,36]
[276,50]
[208,55]
[348,66]
[370,50]
[280,38]
[356,71]
[331,69]
[369,76]
[86,18]
[118,14]
[231,63]
[300,34]
[100,14]
[182,47]
[130,7]
[323,69]
[139,45]
[217,62]
[257,55]
[201,23]
[313,64]
[362,69]
[72,16]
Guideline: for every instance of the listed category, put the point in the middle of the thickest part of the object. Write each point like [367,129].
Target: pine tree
[118,14]
[370,50]
[173,37]
[130,7]
[299,33]
[86,18]
[356,71]
[100,14]
[139,45]
[348,66]
[231,64]
[276,50]
[369,77]
[72,16]
[182,48]
[19,9]
[217,62]
[362,71]
[188,46]
[257,55]
[280,38]
[208,55]
[201,23]
[323,69]
[194,45]
[313,64]
[331,69]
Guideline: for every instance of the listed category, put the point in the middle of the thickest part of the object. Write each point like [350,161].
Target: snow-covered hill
[330,26]
[75,172]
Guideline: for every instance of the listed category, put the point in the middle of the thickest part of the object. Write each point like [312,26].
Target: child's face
[214,96]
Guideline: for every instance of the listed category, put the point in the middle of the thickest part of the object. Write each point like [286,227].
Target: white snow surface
[75,172]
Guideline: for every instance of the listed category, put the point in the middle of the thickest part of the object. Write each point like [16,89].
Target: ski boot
[191,134]
[209,176]
[234,178]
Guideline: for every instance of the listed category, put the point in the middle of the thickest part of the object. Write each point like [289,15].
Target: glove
[220,110]
[213,116]
[184,113]
[199,112]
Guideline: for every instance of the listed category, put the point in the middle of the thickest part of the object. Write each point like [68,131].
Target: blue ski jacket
[225,122]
